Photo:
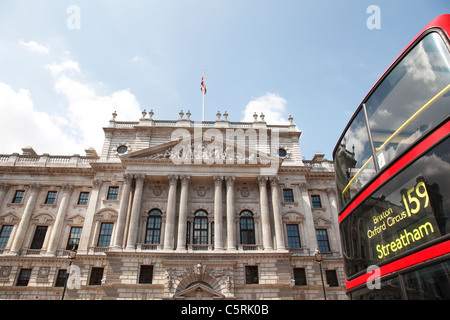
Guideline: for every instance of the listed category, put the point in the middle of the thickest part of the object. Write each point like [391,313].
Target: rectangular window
[104,236]
[251,275]
[315,199]
[332,280]
[83,199]
[74,238]
[293,236]
[4,236]
[38,238]
[322,240]
[113,193]
[61,278]
[300,276]
[51,197]
[24,277]
[146,274]
[96,277]
[288,195]
[18,196]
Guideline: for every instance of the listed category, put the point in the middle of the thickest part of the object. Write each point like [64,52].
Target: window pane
[51,196]
[293,236]
[83,199]
[104,237]
[251,274]
[300,277]
[18,196]
[288,195]
[74,238]
[316,202]
[4,236]
[61,278]
[24,277]
[146,274]
[96,277]
[322,240]
[113,193]
[39,236]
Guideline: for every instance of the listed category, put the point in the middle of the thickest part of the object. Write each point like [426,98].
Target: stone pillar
[121,219]
[24,221]
[276,214]
[218,225]
[170,214]
[89,218]
[265,218]
[310,236]
[231,229]
[334,216]
[59,222]
[182,222]
[135,212]
[3,189]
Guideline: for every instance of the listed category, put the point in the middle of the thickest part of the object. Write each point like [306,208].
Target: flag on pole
[202,84]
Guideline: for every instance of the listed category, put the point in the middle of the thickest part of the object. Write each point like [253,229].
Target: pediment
[198,291]
[204,149]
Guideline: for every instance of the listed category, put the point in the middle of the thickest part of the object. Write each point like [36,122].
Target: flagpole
[204,94]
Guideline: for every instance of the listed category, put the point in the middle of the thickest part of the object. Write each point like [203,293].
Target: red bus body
[437,249]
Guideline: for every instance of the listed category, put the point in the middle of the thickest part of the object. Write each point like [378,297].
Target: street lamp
[319,259]
[72,255]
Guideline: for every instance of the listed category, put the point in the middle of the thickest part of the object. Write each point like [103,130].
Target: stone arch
[195,279]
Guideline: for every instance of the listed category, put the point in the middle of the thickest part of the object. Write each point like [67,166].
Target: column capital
[173,179]
[303,186]
[35,186]
[230,180]
[185,179]
[127,178]
[331,192]
[274,181]
[262,180]
[67,187]
[4,186]
[218,180]
[96,183]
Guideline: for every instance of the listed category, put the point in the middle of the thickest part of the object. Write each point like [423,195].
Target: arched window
[201,227]
[153,230]
[247,228]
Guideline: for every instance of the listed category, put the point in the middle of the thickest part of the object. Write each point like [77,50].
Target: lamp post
[319,259]
[72,255]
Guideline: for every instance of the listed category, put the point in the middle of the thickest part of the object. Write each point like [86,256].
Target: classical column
[89,218]
[4,186]
[334,216]
[24,221]
[309,220]
[265,219]
[135,212]
[59,222]
[170,214]
[218,225]
[231,229]
[121,219]
[182,222]
[276,213]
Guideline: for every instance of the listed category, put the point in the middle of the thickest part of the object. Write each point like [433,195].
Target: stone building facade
[172,210]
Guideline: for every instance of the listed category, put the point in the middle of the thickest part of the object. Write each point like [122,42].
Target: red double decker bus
[392,166]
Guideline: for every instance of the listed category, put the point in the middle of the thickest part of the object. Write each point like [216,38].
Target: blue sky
[314,60]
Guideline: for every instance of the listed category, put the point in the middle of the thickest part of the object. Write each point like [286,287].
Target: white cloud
[22,125]
[56,69]
[79,122]
[89,112]
[272,105]
[34,46]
